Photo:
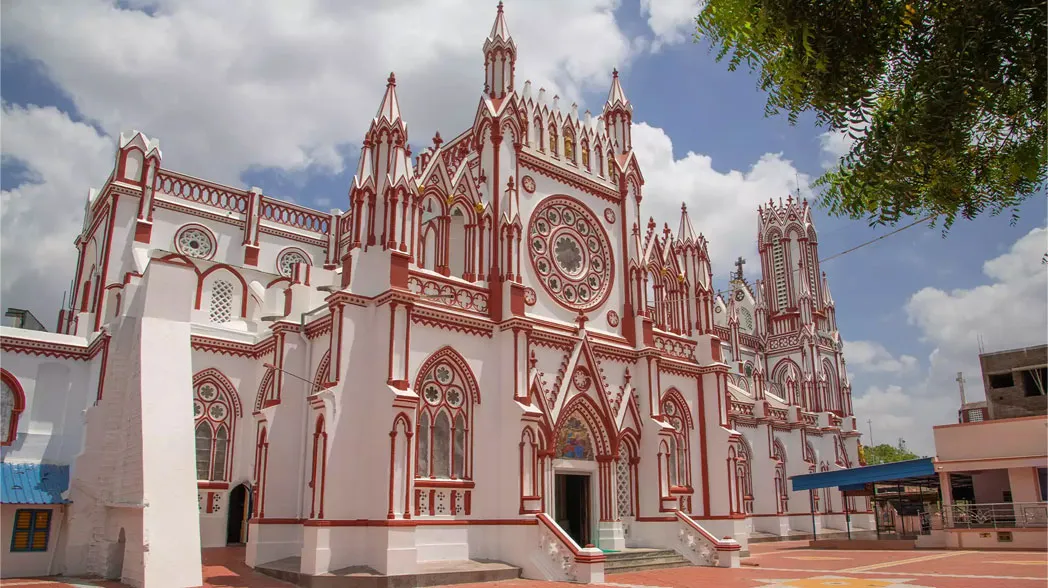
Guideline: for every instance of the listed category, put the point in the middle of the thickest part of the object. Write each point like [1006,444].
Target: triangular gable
[581,375]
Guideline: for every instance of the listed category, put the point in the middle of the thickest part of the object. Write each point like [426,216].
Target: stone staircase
[637,560]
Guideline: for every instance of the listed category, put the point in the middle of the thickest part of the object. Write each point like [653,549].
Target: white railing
[1007,515]
[564,559]
[701,548]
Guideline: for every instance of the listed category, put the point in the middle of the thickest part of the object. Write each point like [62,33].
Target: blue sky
[285,109]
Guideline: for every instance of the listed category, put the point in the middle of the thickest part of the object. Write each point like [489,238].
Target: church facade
[491,353]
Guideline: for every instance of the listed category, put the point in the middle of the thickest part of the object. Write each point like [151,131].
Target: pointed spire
[827,300]
[616,97]
[499,30]
[500,56]
[685,233]
[390,107]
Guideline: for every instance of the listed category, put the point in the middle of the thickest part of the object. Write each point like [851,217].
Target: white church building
[490,354]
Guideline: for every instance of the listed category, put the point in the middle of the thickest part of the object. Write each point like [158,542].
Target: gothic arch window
[600,161]
[213,410]
[530,470]
[675,413]
[448,390]
[569,146]
[782,491]
[12,404]
[457,242]
[744,476]
[585,153]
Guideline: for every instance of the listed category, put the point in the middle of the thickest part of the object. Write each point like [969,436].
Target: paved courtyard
[771,565]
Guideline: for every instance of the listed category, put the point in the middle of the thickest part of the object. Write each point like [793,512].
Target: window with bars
[975,415]
[221,301]
[778,260]
[32,530]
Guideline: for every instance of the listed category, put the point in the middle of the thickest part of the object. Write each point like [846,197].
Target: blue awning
[33,483]
[857,478]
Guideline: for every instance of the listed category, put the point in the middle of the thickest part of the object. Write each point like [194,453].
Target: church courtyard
[772,565]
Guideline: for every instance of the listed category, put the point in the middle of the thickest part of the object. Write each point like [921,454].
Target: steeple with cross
[738,265]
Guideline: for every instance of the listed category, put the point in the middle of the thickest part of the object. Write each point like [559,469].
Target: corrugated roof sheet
[33,483]
[854,478]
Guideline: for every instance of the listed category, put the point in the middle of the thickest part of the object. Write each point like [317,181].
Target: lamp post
[870,423]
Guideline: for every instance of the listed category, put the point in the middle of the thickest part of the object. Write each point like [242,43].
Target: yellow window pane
[21,540]
[40,541]
[23,519]
[43,519]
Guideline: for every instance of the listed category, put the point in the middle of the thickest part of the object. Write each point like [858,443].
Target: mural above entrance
[573,441]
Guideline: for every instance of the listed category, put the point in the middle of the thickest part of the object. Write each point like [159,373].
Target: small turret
[618,116]
[500,59]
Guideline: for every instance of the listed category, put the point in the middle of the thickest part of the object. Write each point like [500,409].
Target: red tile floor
[771,565]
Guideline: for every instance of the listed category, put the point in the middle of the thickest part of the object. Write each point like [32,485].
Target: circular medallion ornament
[288,258]
[740,296]
[195,241]
[529,296]
[609,215]
[613,318]
[528,183]
[581,379]
[570,253]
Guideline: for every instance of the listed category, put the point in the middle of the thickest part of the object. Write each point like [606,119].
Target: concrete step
[636,560]
[428,574]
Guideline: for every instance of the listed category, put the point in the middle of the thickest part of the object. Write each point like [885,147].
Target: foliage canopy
[945,100]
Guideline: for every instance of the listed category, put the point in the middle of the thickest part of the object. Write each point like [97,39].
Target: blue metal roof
[33,483]
[856,478]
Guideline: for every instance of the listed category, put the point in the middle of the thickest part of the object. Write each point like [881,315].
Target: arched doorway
[239,512]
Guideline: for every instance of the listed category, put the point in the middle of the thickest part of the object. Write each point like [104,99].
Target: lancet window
[213,411]
[444,421]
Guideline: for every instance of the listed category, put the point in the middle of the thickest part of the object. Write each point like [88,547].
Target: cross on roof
[738,264]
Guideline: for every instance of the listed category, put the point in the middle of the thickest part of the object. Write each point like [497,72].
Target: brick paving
[771,565]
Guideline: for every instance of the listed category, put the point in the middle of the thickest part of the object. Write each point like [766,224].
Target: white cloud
[672,21]
[40,218]
[1009,310]
[870,356]
[722,205]
[230,84]
[834,145]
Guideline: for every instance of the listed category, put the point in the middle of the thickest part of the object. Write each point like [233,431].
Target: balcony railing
[1004,515]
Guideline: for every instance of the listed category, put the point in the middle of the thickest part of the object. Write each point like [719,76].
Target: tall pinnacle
[616,97]
[499,30]
[390,107]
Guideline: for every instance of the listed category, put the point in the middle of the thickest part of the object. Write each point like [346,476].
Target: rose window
[194,241]
[288,259]
[570,253]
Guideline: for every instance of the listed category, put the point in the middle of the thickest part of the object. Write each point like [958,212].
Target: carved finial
[651,223]
[500,6]
[509,184]
[392,80]
[533,360]
[628,376]
[437,141]
[615,72]
[683,207]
